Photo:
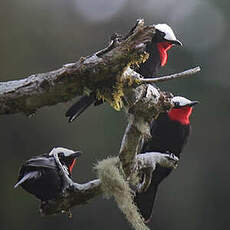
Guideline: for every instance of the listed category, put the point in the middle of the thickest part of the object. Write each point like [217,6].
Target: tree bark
[99,71]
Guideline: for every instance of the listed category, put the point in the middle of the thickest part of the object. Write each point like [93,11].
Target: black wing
[28,176]
[145,201]
[31,169]
[150,68]
[41,162]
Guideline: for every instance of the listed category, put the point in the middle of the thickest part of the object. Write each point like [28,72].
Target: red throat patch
[163,47]
[72,165]
[181,114]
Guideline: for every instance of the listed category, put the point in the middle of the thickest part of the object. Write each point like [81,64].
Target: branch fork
[77,194]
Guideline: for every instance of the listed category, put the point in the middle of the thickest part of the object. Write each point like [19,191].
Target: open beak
[72,156]
[73,161]
[76,154]
[192,103]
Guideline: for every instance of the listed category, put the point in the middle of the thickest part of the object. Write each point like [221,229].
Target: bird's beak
[73,157]
[176,42]
[193,103]
[76,154]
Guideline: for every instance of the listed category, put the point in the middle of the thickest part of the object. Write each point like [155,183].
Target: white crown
[167,30]
[66,152]
[181,100]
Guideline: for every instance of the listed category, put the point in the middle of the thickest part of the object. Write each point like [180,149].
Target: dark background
[39,36]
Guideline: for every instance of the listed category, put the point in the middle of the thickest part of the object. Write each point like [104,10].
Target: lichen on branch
[98,72]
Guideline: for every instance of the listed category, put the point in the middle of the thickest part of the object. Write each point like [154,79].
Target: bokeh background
[39,36]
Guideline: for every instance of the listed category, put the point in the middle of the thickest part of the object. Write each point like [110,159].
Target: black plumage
[40,175]
[167,136]
[152,65]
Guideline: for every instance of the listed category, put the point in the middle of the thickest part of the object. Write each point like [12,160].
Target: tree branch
[96,72]
[79,194]
[186,73]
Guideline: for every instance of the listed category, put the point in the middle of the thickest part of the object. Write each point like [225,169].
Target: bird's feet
[146,180]
[172,160]
[147,164]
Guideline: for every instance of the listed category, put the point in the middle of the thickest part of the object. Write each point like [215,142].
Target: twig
[186,73]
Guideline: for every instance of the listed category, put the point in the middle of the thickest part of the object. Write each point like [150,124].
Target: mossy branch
[98,71]
[111,183]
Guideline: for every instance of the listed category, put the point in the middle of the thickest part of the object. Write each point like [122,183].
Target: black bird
[40,176]
[162,41]
[170,132]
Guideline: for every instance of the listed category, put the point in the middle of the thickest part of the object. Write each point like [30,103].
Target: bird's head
[67,157]
[165,39]
[182,109]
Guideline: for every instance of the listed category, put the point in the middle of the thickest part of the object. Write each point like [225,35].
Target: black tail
[145,201]
[28,176]
[80,106]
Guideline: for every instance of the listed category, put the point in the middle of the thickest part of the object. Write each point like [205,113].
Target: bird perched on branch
[162,41]
[40,175]
[170,132]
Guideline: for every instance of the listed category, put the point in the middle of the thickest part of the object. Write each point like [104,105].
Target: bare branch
[186,73]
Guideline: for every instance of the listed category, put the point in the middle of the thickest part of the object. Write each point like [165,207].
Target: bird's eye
[61,155]
[176,104]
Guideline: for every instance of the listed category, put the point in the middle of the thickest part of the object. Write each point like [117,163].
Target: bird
[163,39]
[40,175]
[170,133]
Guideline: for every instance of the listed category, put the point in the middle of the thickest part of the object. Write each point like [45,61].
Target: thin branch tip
[183,74]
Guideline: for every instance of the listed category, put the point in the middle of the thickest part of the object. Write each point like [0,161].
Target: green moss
[114,185]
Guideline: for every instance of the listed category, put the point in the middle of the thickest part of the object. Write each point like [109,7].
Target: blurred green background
[39,36]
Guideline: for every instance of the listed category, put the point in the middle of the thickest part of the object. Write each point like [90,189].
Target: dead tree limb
[95,72]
